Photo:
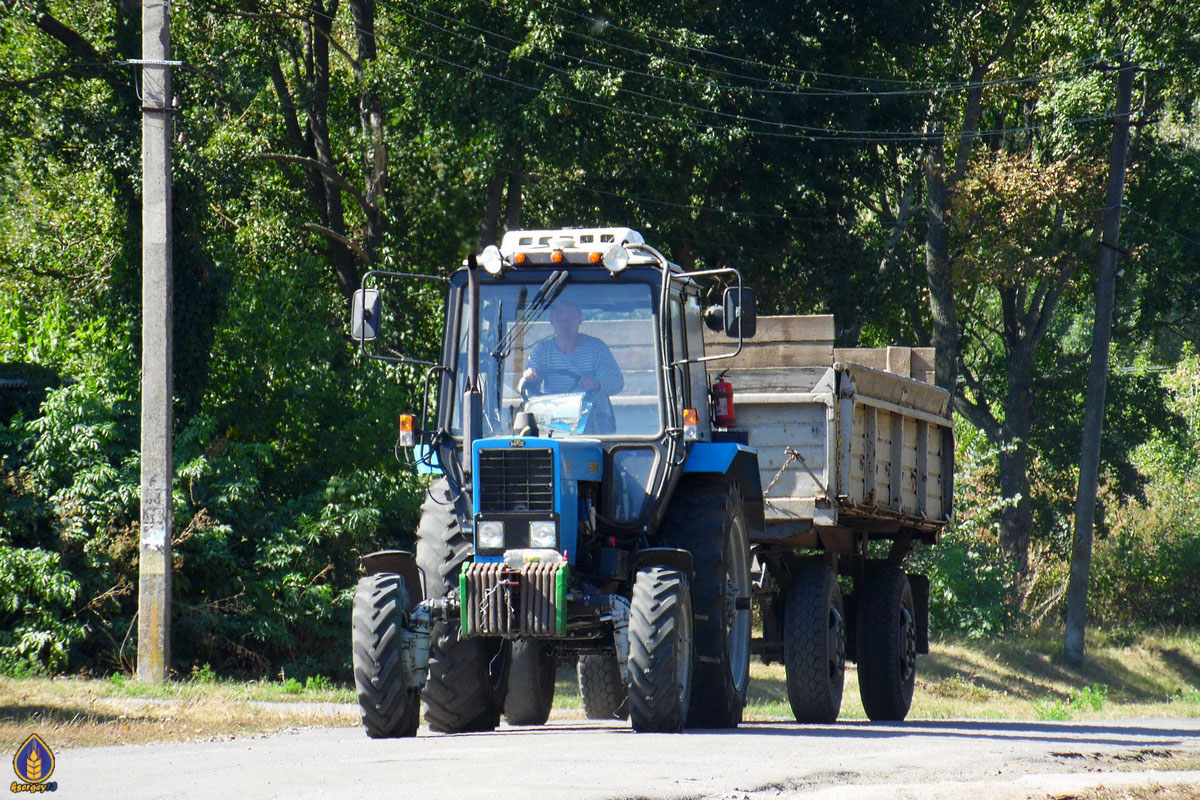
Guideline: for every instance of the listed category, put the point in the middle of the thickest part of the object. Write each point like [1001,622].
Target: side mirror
[364,315]
[740,313]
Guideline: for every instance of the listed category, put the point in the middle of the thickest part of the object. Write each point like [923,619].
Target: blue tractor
[585,507]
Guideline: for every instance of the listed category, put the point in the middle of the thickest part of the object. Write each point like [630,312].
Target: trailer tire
[600,685]
[465,689]
[814,644]
[530,683]
[660,651]
[390,706]
[887,644]
[706,517]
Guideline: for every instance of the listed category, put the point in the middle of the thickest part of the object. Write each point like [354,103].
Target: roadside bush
[969,575]
[1147,569]
[37,630]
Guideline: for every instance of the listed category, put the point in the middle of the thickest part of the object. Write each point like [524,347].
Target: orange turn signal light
[557,256]
[519,258]
[594,258]
[407,437]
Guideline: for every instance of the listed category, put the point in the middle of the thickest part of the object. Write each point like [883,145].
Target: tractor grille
[512,479]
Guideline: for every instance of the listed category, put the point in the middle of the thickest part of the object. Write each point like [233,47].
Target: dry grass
[83,713]
[1178,791]
[1146,675]
[1155,675]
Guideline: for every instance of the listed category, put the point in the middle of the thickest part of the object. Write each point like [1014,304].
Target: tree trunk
[1016,517]
[333,216]
[489,226]
[370,110]
[938,272]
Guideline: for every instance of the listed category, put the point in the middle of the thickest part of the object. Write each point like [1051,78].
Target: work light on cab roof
[567,246]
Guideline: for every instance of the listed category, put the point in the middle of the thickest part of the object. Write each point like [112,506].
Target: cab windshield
[579,356]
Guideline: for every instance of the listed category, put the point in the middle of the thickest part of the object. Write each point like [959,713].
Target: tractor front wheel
[390,705]
[467,677]
[660,651]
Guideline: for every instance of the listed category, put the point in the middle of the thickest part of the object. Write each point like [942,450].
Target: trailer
[855,447]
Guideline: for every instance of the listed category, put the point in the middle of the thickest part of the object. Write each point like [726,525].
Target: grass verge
[1152,674]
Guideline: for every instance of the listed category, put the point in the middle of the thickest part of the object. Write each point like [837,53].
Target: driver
[570,360]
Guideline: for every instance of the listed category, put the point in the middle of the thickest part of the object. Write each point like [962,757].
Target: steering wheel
[524,386]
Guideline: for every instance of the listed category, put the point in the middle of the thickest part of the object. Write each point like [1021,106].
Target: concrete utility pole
[154,567]
[1093,416]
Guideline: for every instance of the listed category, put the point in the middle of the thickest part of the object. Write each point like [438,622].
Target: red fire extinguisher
[722,400]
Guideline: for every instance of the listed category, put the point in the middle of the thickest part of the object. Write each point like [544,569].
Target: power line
[806,132]
[792,90]
[736,59]
[1164,226]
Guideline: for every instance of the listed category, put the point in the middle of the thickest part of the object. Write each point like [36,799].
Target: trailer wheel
[660,651]
[706,518]
[887,644]
[814,644]
[530,683]
[390,706]
[600,685]
[465,690]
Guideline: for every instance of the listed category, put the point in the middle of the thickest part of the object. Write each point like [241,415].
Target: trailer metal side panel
[844,444]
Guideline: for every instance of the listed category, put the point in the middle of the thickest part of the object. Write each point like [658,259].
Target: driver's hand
[530,374]
[589,383]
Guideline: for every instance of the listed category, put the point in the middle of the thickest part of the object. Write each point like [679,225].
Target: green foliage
[203,674]
[1089,698]
[37,630]
[1052,710]
[1187,694]
[970,577]
[292,686]
[1086,698]
[317,683]
[284,473]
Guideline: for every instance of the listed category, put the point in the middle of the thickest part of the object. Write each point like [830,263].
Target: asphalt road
[589,761]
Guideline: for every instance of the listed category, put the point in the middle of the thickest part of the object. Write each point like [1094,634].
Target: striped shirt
[591,358]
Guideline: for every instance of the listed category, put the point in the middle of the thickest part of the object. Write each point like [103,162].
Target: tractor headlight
[543,534]
[490,535]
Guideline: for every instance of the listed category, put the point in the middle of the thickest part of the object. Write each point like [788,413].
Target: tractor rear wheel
[465,689]
[814,644]
[707,519]
[660,650]
[390,705]
[887,644]
[600,685]
[530,683]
